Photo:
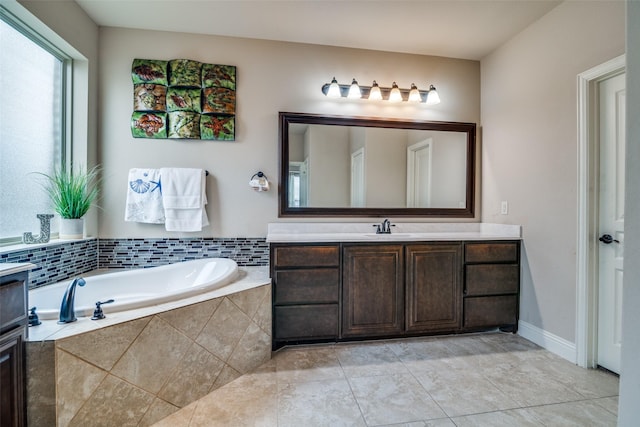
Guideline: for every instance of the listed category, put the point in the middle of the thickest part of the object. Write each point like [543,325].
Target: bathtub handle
[98,313]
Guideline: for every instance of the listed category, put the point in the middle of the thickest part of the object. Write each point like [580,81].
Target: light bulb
[375,93]
[395,95]
[432,96]
[334,89]
[354,90]
[414,94]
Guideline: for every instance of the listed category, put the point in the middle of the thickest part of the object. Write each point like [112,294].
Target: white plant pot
[71,228]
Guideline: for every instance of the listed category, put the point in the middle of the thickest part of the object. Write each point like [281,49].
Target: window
[32,125]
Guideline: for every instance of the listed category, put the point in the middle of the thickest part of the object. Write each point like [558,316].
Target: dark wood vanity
[13,333]
[353,290]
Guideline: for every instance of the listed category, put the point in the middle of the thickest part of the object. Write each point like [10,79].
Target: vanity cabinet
[354,290]
[306,292]
[13,331]
[492,282]
[372,290]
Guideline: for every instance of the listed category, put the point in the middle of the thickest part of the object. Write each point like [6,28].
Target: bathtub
[132,289]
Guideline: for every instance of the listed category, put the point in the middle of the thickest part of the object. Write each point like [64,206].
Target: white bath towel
[144,198]
[184,199]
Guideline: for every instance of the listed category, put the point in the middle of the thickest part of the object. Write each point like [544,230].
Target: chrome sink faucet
[67,310]
[384,227]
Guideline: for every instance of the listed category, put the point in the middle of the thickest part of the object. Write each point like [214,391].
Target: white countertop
[400,232]
[7,268]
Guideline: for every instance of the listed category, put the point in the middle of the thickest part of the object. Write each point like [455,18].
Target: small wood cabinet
[306,292]
[492,282]
[13,331]
[343,291]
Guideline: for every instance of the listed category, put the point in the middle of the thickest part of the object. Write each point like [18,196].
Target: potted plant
[72,192]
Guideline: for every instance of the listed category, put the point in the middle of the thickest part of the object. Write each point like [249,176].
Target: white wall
[629,410]
[529,148]
[272,77]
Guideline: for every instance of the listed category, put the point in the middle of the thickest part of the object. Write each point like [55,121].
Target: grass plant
[72,191]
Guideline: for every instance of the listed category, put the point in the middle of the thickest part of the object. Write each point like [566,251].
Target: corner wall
[529,155]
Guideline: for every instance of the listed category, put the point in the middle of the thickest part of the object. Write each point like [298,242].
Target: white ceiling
[467,29]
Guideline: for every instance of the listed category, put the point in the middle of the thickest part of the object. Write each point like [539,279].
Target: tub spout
[67,311]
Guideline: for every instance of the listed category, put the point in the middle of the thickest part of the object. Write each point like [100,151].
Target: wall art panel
[183,99]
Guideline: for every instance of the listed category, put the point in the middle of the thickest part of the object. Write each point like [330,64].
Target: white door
[419,174]
[357,179]
[611,220]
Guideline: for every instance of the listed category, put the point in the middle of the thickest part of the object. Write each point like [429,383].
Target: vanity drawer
[491,252]
[306,256]
[490,311]
[299,322]
[484,279]
[313,285]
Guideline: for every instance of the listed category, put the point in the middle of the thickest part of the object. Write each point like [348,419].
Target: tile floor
[492,379]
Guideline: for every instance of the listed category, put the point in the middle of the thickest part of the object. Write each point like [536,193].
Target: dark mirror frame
[285,119]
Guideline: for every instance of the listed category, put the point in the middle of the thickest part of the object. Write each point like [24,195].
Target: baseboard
[548,341]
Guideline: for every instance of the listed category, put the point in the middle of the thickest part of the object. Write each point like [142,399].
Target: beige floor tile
[460,390]
[511,418]
[369,359]
[418,353]
[479,380]
[590,383]
[609,403]
[392,399]
[528,386]
[251,400]
[308,364]
[180,418]
[318,403]
[578,414]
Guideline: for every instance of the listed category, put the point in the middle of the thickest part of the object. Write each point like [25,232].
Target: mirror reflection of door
[419,174]
[357,179]
[298,183]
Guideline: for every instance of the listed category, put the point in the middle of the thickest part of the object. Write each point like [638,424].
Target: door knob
[607,239]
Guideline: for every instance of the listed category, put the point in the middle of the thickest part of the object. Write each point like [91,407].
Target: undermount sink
[390,235]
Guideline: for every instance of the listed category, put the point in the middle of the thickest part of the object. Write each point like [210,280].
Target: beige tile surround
[138,372]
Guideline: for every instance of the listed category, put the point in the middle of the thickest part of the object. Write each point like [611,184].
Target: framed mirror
[355,166]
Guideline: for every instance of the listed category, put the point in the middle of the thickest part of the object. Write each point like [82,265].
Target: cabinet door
[434,287]
[373,297]
[11,379]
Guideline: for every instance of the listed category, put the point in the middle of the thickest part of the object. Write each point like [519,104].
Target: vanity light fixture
[432,96]
[395,95]
[354,90]
[377,93]
[333,90]
[414,94]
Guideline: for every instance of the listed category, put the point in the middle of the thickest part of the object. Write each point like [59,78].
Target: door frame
[588,193]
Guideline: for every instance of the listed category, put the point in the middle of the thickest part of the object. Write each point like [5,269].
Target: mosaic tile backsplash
[57,262]
[135,253]
[65,260]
